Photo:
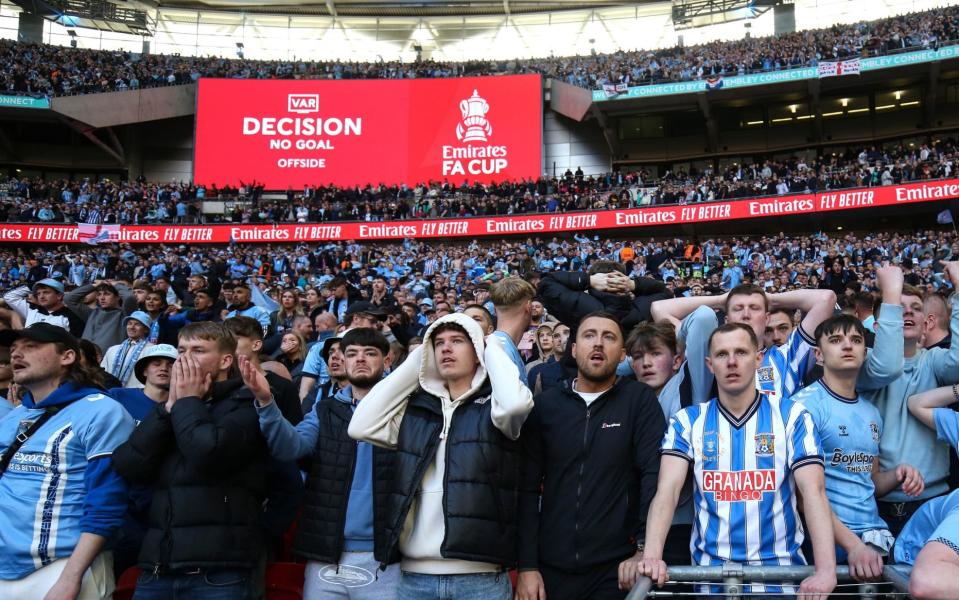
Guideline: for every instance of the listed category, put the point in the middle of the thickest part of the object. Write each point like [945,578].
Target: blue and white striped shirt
[744,497]
[784,367]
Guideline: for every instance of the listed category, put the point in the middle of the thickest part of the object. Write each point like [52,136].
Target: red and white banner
[476,227]
[294,133]
[840,68]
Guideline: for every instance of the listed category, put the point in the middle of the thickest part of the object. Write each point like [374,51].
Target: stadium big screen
[288,133]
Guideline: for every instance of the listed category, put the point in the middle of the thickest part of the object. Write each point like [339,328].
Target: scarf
[339,311]
[121,367]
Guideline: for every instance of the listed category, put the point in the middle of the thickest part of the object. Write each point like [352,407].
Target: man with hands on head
[751,457]
[783,367]
[453,410]
[203,453]
[104,322]
[905,439]
[47,306]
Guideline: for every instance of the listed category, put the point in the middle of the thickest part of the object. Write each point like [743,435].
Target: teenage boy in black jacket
[593,447]
[207,460]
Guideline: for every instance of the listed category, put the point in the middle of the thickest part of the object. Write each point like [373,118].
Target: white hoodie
[378,418]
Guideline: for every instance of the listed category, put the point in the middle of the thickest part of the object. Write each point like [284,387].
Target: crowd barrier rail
[732,576]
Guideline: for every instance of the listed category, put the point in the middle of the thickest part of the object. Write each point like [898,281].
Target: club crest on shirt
[874,428]
[709,449]
[765,444]
[764,375]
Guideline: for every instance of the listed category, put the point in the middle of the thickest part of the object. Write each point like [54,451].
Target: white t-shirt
[588,397]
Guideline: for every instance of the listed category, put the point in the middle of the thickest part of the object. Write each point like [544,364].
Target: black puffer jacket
[207,463]
[483,471]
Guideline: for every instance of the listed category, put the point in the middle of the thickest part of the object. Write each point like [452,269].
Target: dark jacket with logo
[597,466]
[207,461]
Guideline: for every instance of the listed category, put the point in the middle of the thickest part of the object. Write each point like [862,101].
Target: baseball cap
[427,302]
[142,317]
[49,282]
[45,333]
[158,351]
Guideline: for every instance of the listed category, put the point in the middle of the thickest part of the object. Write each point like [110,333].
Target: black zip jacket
[207,462]
[597,467]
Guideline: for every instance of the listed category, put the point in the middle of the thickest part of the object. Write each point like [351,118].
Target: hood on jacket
[68,392]
[429,376]
[543,355]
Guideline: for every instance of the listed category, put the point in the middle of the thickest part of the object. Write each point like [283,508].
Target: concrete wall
[161,150]
[568,145]
[123,108]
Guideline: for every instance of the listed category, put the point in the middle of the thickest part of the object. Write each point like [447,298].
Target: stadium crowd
[140,202]
[406,411]
[44,70]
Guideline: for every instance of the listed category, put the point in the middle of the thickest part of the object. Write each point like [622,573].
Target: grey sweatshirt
[104,326]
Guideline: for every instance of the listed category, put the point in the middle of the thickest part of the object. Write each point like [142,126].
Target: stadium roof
[391,8]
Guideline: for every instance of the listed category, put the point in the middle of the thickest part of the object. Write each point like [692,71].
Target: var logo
[303,103]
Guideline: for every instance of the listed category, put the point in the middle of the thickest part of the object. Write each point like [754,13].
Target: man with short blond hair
[203,453]
[513,299]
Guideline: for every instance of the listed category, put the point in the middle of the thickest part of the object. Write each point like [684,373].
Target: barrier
[732,576]
[477,227]
[803,73]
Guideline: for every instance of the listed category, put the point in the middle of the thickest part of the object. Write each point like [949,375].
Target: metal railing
[733,577]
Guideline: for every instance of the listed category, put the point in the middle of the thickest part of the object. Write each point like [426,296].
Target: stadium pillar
[609,133]
[712,127]
[134,153]
[30,28]
[815,106]
[784,19]
[932,92]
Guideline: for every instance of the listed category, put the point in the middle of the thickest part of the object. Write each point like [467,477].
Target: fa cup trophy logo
[474,111]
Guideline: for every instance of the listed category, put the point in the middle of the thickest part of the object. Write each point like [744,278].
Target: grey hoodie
[378,419]
[104,327]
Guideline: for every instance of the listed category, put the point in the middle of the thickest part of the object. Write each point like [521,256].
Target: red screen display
[287,133]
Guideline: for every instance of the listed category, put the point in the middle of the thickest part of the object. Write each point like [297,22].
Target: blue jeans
[211,584]
[478,586]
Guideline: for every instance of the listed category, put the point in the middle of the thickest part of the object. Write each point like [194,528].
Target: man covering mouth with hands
[201,451]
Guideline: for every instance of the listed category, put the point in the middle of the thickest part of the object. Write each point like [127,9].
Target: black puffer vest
[482,480]
[320,533]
